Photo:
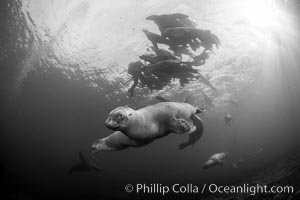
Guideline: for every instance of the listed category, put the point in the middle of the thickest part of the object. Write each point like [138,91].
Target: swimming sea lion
[155,38]
[84,166]
[119,141]
[228,119]
[174,68]
[189,33]
[152,58]
[170,20]
[214,160]
[153,121]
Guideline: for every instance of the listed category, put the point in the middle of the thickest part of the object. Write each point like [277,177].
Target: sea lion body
[172,67]
[171,20]
[214,160]
[151,58]
[84,166]
[153,121]
[189,33]
[182,33]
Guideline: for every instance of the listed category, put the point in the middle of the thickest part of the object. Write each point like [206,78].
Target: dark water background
[55,98]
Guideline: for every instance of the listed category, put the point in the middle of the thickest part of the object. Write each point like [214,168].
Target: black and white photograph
[149,99]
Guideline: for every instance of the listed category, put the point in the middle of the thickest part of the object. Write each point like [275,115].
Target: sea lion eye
[122,117]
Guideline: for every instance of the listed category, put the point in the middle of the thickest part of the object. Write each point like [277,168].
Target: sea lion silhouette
[228,119]
[214,160]
[84,166]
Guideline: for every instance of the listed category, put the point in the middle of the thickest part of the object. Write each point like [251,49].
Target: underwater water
[63,68]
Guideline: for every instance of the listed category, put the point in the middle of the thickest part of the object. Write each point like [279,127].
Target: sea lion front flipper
[195,135]
[179,126]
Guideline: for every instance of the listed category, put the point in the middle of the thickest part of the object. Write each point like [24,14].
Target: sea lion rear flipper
[183,145]
[195,135]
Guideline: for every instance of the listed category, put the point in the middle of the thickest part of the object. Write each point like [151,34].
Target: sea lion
[258,152]
[171,20]
[152,58]
[206,37]
[214,160]
[84,166]
[155,38]
[164,53]
[182,33]
[234,165]
[115,142]
[168,69]
[119,141]
[228,119]
[174,68]
[153,121]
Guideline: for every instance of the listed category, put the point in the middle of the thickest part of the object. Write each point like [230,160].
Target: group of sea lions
[137,128]
[182,37]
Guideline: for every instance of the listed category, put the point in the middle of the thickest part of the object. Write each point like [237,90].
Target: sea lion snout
[111,124]
[200,110]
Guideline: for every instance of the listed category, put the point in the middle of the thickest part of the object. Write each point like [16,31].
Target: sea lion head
[135,68]
[119,118]
[146,31]
[152,17]
[97,146]
[208,164]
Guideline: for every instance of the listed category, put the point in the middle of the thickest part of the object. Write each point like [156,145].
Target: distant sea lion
[84,166]
[170,20]
[171,67]
[258,152]
[153,121]
[187,33]
[152,58]
[214,160]
[228,119]
[155,38]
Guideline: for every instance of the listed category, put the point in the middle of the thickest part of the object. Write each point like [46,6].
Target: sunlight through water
[96,40]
